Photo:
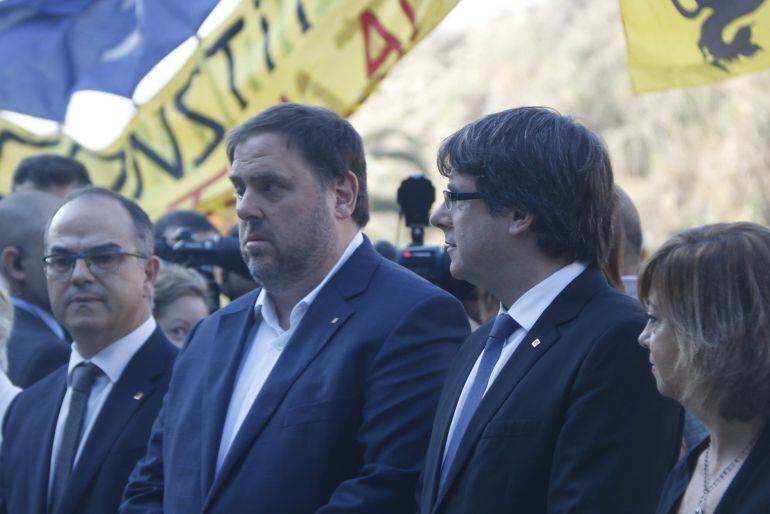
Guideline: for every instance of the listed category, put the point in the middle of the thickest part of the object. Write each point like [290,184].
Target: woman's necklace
[707,488]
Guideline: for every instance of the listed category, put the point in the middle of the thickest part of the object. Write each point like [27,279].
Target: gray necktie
[83,377]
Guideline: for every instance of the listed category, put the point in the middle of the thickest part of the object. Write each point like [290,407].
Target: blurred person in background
[707,294]
[179,301]
[50,173]
[170,226]
[8,391]
[632,250]
[73,437]
[38,343]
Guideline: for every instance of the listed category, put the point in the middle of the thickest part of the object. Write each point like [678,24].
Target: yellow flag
[323,52]
[679,43]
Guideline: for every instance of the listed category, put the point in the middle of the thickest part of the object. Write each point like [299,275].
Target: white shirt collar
[266,307]
[531,305]
[113,359]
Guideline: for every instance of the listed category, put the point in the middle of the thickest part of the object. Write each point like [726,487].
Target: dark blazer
[340,425]
[573,423]
[748,493]
[33,350]
[118,438]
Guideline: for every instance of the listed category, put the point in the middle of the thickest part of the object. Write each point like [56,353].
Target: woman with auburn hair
[707,294]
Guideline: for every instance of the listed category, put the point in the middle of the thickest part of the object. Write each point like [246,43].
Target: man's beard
[297,259]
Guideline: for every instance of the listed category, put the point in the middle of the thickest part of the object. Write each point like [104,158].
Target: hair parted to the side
[537,161]
[327,142]
[145,241]
[712,284]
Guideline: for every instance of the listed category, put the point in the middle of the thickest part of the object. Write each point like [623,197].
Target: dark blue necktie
[83,377]
[502,328]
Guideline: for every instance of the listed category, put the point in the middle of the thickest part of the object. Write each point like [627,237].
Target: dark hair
[712,284]
[191,220]
[145,242]
[327,142]
[51,170]
[535,160]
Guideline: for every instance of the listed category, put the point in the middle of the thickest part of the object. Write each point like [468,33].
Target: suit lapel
[326,315]
[127,395]
[469,353]
[231,335]
[51,405]
[545,330]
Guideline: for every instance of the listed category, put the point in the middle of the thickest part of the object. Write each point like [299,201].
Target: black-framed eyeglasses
[452,197]
[99,262]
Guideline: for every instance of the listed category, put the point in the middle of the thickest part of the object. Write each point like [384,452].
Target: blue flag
[51,48]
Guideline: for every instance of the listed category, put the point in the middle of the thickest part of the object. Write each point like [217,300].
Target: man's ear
[520,222]
[345,195]
[151,269]
[10,259]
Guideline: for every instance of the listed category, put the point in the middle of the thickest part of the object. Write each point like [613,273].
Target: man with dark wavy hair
[550,407]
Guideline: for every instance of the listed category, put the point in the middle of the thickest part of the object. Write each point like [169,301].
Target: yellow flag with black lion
[680,43]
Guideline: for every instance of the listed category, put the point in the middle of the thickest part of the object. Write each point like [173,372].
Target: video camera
[222,251]
[415,197]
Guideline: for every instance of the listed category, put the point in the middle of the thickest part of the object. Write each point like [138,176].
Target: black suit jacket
[33,350]
[748,493]
[118,438]
[341,423]
[573,423]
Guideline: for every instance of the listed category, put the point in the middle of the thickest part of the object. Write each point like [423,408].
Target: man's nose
[81,271]
[248,206]
[440,217]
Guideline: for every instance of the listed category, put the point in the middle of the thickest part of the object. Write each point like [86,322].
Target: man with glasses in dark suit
[549,408]
[71,440]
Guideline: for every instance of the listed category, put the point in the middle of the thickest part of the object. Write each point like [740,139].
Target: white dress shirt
[111,361]
[526,311]
[263,351]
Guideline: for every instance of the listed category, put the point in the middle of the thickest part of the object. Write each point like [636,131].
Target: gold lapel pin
[335,320]
[138,395]
[535,343]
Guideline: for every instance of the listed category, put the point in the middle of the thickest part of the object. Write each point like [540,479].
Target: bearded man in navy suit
[550,408]
[71,440]
[315,393]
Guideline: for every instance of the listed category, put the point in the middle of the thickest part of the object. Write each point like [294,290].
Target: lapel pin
[138,395]
[335,320]
[535,343]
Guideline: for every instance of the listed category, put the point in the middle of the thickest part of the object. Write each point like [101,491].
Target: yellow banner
[680,43]
[323,52]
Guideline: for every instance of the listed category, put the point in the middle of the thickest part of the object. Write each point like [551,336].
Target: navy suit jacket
[572,424]
[340,425]
[33,350]
[117,440]
[748,492]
